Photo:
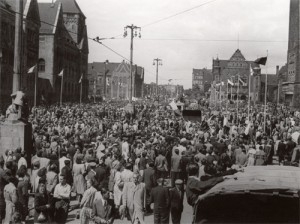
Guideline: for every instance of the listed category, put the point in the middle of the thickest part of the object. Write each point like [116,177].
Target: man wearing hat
[176,201]
[160,197]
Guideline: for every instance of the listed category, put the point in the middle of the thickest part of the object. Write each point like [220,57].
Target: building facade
[237,67]
[291,86]
[117,80]
[30,48]
[63,52]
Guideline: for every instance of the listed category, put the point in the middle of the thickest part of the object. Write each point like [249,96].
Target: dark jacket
[40,202]
[176,199]
[160,197]
[102,173]
[67,172]
[149,178]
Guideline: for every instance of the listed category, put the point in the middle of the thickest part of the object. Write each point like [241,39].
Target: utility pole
[104,83]
[133,33]
[18,46]
[158,62]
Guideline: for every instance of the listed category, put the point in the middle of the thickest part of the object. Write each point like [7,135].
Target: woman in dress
[42,205]
[78,176]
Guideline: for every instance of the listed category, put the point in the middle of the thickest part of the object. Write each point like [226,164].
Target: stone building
[117,80]
[291,86]
[30,48]
[236,66]
[63,47]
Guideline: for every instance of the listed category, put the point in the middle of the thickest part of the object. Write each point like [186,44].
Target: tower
[291,88]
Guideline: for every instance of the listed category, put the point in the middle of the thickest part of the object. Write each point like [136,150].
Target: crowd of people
[117,164]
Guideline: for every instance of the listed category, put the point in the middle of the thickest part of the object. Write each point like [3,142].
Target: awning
[289,93]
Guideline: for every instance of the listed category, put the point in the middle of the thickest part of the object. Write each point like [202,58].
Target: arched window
[42,65]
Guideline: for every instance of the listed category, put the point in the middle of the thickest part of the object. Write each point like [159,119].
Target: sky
[187,34]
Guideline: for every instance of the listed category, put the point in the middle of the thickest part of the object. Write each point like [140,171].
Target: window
[42,65]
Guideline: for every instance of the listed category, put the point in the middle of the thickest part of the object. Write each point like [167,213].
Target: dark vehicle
[261,194]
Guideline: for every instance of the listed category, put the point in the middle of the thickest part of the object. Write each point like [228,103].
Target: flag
[261,61]
[251,71]
[222,83]
[173,105]
[32,69]
[242,82]
[229,82]
[80,80]
[107,81]
[61,73]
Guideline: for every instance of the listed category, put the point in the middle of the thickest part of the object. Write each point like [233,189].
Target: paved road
[187,216]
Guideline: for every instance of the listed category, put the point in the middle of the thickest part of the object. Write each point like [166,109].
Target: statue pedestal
[14,134]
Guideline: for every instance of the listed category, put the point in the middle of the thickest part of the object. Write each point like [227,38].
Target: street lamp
[132,29]
[104,83]
[158,62]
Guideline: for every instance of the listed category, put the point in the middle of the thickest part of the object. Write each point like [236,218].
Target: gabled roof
[71,6]
[49,15]
[98,67]
[237,56]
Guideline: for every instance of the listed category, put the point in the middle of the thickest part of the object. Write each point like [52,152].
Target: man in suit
[150,182]
[102,173]
[176,200]
[175,167]
[134,195]
[160,198]
[66,171]
[102,211]
[161,165]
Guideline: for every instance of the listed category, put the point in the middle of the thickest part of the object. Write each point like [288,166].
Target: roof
[99,67]
[48,14]
[259,178]
[237,56]
[272,79]
[71,6]
[12,4]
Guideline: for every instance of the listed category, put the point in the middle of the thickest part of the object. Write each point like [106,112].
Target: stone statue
[18,110]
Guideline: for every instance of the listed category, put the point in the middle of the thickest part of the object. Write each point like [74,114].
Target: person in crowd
[102,210]
[11,199]
[78,175]
[149,179]
[195,187]
[3,181]
[62,193]
[160,197]
[176,201]
[42,205]
[161,165]
[87,201]
[175,166]
[66,171]
[133,197]
[22,192]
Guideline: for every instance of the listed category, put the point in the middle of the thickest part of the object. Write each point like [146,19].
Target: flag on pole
[80,80]
[242,82]
[107,81]
[32,69]
[61,73]
[261,61]
[251,71]
[229,82]
[173,105]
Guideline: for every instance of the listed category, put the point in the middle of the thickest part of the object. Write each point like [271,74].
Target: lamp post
[133,33]
[157,62]
[104,83]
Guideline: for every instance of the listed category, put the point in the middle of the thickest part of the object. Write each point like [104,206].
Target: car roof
[259,178]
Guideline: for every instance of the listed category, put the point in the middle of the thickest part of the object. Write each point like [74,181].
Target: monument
[16,131]
[291,88]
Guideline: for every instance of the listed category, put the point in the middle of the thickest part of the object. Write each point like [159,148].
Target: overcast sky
[191,39]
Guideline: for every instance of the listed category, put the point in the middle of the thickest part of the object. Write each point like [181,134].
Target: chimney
[277,70]
[52,4]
